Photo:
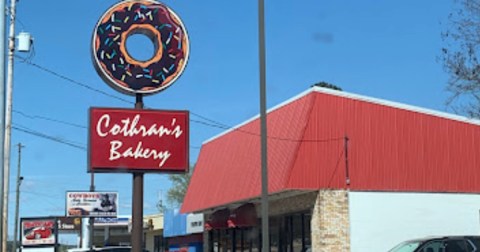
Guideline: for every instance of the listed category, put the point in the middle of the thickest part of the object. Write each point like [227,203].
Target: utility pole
[2,100]
[8,124]
[17,202]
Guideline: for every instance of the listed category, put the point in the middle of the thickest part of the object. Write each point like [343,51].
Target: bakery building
[346,173]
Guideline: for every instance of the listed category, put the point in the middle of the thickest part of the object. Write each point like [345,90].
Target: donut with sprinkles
[127,74]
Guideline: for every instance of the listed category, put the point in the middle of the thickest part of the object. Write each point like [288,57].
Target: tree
[327,85]
[176,193]
[460,58]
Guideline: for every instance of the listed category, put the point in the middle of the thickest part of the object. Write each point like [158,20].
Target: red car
[39,233]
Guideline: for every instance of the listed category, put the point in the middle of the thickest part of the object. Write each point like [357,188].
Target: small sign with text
[127,140]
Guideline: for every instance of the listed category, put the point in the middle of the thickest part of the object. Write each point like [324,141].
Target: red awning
[243,216]
[218,219]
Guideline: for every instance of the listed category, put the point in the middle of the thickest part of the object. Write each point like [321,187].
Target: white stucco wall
[379,221]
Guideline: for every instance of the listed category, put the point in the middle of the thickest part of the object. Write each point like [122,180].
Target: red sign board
[128,140]
[38,232]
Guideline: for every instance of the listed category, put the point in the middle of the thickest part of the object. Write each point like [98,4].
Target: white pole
[85,234]
[2,100]
[8,125]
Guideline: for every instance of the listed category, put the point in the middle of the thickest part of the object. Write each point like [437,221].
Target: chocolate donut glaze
[154,20]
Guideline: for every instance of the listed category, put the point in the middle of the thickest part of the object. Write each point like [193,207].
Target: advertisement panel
[112,221]
[126,140]
[91,204]
[36,232]
[69,224]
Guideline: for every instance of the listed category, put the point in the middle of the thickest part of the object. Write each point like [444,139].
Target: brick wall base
[330,222]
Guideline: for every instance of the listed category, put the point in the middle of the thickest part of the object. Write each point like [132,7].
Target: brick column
[330,222]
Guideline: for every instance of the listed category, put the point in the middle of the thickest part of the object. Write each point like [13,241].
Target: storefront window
[274,231]
[307,220]
[158,243]
[289,233]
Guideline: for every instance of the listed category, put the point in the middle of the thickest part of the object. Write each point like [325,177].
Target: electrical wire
[213,123]
[72,80]
[63,141]
[47,200]
[336,168]
[48,119]
[55,139]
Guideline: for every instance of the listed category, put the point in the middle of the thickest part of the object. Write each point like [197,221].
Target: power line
[63,141]
[47,200]
[55,139]
[78,83]
[215,124]
[49,119]
[29,62]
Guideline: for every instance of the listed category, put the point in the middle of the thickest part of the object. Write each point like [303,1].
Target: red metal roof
[391,147]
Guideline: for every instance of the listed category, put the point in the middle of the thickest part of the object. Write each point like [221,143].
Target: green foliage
[327,85]
[176,193]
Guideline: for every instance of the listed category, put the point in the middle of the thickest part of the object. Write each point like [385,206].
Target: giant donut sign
[123,72]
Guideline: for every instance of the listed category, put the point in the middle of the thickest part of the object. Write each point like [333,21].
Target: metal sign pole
[91,220]
[137,199]
[263,126]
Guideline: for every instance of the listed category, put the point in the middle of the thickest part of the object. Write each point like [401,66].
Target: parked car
[39,233]
[440,244]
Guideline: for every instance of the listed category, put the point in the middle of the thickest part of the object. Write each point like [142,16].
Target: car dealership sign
[91,204]
[36,232]
[125,140]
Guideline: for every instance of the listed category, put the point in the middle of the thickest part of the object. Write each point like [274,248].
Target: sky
[382,49]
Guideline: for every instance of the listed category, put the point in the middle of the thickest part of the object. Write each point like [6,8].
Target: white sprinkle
[113,17]
[102,55]
[113,67]
[178,28]
[121,61]
[165,70]
[139,76]
[172,56]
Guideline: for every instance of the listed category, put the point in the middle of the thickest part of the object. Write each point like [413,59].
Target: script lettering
[138,152]
[132,127]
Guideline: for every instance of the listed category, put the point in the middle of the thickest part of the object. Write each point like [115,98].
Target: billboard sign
[69,224]
[37,232]
[91,204]
[112,221]
[126,140]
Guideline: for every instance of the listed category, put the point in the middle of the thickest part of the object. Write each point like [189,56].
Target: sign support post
[131,76]
[91,220]
[137,199]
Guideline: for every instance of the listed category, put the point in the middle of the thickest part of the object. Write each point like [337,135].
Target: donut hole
[141,45]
